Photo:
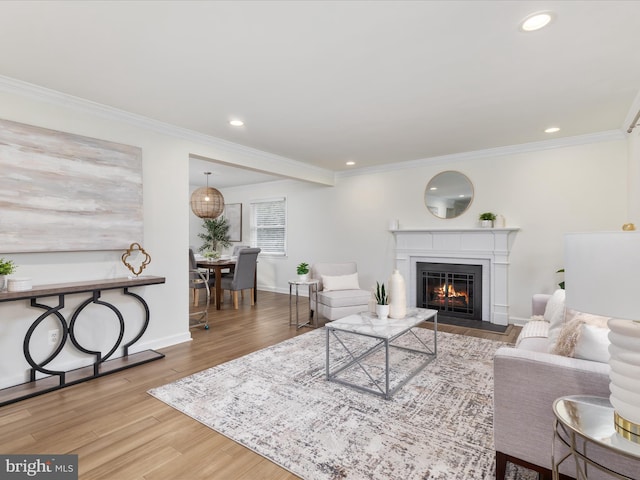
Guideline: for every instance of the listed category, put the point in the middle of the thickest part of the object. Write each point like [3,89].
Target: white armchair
[339,292]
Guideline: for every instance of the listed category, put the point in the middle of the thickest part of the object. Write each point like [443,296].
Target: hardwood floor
[120,432]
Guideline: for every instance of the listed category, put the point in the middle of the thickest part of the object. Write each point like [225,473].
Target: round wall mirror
[448,194]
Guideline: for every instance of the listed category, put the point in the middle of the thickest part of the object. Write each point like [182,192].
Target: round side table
[581,421]
[313,296]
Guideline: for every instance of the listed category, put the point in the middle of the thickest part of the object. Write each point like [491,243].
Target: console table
[101,364]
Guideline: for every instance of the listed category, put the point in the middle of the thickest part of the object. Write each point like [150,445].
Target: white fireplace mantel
[489,247]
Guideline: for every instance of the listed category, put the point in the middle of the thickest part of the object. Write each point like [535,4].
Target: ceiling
[327,82]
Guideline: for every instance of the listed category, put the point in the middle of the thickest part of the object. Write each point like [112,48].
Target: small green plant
[7,267]
[302,268]
[488,216]
[381,295]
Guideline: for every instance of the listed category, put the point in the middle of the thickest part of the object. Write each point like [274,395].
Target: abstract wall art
[66,192]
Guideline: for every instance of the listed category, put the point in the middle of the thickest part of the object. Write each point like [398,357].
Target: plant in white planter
[7,267]
[382,302]
[486,219]
[303,272]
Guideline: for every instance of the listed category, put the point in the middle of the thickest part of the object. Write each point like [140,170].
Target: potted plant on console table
[7,267]
[382,302]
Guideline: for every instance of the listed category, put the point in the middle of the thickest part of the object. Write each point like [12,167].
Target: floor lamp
[602,276]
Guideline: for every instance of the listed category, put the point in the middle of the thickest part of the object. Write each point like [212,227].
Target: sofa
[559,352]
[339,292]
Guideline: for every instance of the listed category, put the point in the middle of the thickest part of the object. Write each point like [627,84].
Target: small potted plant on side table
[382,302]
[7,267]
[303,272]
[486,219]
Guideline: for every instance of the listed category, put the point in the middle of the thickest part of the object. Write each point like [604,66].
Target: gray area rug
[277,403]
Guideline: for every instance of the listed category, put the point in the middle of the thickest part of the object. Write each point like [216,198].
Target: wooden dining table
[216,267]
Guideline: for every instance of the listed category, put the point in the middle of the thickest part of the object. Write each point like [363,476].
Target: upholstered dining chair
[243,274]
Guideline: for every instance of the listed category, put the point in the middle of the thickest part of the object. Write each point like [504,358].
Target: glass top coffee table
[360,345]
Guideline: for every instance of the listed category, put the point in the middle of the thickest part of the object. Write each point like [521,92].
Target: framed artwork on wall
[233,214]
[65,192]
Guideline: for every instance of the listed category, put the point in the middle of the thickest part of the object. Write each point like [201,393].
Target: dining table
[216,267]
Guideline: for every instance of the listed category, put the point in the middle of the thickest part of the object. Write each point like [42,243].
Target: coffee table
[384,334]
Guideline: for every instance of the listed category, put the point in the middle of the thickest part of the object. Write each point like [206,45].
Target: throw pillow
[340,282]
[583,336]
[554,314]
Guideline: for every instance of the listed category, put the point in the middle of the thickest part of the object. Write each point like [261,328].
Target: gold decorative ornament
[207,202]
[628,227]
[132,249]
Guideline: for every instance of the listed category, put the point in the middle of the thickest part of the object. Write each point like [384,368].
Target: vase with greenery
[216,235]
[303,271]
[7,267]
[487,218]
[382,301]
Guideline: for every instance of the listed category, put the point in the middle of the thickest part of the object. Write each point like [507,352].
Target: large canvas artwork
[65,192]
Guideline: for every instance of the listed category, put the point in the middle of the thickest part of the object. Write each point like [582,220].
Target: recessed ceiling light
[236,123]
[433,188]
[552,130]
[350,162]
[536,21]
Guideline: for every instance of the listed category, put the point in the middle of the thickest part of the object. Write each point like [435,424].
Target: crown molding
[605,136]
[281,164]
[631,114]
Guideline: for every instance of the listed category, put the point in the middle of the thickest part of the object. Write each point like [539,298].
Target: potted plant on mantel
[7,267]
[382,302]
[303,272]
[486,219]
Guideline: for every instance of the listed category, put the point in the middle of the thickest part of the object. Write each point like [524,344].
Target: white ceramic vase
[382,311]
[486,223]
[397,296]
[304,277]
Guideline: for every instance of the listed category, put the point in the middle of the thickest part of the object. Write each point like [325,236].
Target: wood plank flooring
[122,433]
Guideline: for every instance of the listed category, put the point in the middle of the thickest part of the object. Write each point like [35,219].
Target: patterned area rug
[277,403]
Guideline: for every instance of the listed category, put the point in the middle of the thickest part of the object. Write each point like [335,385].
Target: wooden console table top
[80,287]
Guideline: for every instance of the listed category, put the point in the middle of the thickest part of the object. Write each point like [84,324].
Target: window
[269,226]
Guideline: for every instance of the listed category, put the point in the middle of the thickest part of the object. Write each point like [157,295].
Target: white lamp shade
[602,276]
[602,273]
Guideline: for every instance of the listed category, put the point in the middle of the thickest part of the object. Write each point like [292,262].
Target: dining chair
[199,280]
[243,275]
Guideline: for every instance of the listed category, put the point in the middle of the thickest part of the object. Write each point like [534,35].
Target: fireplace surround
[485,247]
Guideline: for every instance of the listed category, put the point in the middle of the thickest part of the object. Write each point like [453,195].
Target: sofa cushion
[554,314]
[583,336]
[344,298]
[340,282]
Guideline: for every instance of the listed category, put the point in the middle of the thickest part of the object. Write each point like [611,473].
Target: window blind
[269,226]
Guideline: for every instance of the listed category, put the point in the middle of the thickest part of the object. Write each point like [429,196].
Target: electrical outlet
[54,336]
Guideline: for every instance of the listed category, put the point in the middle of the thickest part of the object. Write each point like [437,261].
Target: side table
[581,421]
[313,294]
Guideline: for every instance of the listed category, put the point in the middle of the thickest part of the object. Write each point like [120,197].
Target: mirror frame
[464,187]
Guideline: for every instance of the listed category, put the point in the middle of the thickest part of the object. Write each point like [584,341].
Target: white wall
[546,193]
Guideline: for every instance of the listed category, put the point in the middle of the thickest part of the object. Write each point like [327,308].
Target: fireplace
[454,290]
[487,247]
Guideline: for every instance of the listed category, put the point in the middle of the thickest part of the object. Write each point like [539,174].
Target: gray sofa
[527,381]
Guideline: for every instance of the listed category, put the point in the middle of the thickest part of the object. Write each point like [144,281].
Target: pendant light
[207,202]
